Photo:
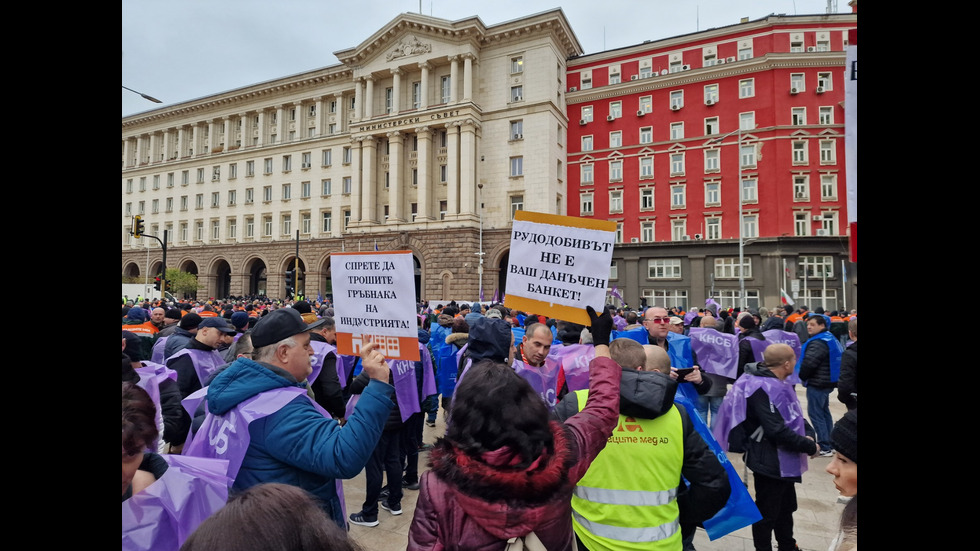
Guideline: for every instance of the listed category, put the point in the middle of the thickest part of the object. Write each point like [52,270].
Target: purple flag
[711,302]
[615,293]
[574,359]
[543,379]
[481,295]
[717,352]
[495,294]
[774,336]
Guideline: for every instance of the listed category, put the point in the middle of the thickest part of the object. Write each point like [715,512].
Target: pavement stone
[815,521]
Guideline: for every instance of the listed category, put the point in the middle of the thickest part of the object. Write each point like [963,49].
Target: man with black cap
[289,439]
[195,362]
[183,335]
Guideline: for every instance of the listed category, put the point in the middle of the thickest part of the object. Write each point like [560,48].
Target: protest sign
[559,265]
[374,299]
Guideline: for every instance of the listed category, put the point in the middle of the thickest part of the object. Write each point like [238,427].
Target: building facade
[415,141]
[430,134]
[673,138]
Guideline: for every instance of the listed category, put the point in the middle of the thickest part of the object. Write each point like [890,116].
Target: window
[710,94]
[215,199]
[646,167]
[388,99]
[586,143]
[183,202]
[646,232]
[267,226]
[156,181]
[801,224]
[268,166]
[746,88]
[249,196]
[287,224]
[646,71]
[585,203]
[306,223]
[712,228]
[797,82]
[170,179]
[170,205]
[826,115]
[443,207]
[828,152]
[678,229]
[232,197]
[387,180]
[199,230]
[232,171]
[615,171]
[711,126]
[750,226]
[332,106]
[745,52]
[415,177]
[331,129]
[823,45]
[815,266]
[616,201]
[712,160]
[516,93]
[200,179]
[416,95]
[517,166]
[828,187]
[646,134]
[517,130]
[183,231]
[304,190]
[646,104]
[587,113]
[677,130]
[678,196]
[516,204]
[232,227]
[798,117]
[676,164]
[215,230]
[746,121]
[198,202]
[517,64]
[586,81]
[729,268]
[646,198]
[747,155]
[712,193]
[799,152]
[443,174]
[346,219]
[750,190]
[287,192]
[614,75]
[675,66]
[143,181]
[616,109]
[267,193]
[155,206]
[615,139]
[796,46]
[249,227]
[677,99]
[347,156]
[825,81]
[445,87]
[801,187]
[664,268]
[327,225]
[587,174]
[307,160]
[249,168]
[185,177]
[287,163]
[829,223]
[709,60]
[346,185]
[327,157]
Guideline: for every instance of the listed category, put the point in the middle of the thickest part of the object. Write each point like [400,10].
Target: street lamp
[741,243]
[481,253]
[151,98]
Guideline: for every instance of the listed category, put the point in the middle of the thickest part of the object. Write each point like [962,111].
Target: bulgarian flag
[785,297]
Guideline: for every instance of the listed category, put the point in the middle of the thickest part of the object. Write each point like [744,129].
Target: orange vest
[146,328]
[207,314]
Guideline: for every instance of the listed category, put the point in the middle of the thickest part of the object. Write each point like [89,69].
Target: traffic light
[137,226]
[156,283]
[290,280]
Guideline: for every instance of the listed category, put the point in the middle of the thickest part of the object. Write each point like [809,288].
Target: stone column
[467,171]
[369,97]
[395,183]
[358,98]
[196,139]
[319,118]
[181,141]
[424,91]
[453,75]
[467,77]
[226,124]
[396,90]
[212,135]
[424,158]
[369,181]
[167,153]
[261,129]
[340,115]
[154,141]
[281,123]
[355,182]
[452,169]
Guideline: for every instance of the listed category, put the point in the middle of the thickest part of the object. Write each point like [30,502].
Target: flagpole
[823,301]
[843,287]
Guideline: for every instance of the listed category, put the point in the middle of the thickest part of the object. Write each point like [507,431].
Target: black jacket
[648,395]
[326,387]
[394,421]
[847,382]
[761,455]
[815,365]
[745,353]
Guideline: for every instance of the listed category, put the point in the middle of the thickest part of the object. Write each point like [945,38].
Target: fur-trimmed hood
[459,339]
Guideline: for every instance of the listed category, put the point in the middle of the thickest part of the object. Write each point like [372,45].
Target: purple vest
[544,379]
[157,356]
[205,362]
[574,359]
[717,352]
[783,397]
[320,352]
[152,375]
[164,514]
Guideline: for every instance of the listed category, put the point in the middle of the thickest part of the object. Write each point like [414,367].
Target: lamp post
[741,243]
[151,98]
[481,253]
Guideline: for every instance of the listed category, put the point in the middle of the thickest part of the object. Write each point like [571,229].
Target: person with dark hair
[747,330]
[844,469]
[182,336]
[270,517]
[847,383]
[819,369]
[504,469]
[173,418]
[325,380]
[140,467]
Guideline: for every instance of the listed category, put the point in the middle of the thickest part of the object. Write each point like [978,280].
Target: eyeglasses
[659,320]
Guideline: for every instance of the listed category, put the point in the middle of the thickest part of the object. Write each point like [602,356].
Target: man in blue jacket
[289,438]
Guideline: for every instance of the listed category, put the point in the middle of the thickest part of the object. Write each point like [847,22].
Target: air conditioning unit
[518,136]
[581,122]
[698,237]
[675,107]
[818,218]
[821,232]
[685,238]
[794,91]
[685,67]
[573,89]
[663,72]
[811,48]
[306,165]
[801,196]
[709,102]
[820,89]
[518,98]
[730,59]
[720,61]
[610,118]
[640,113]
[634,240]
[634,77]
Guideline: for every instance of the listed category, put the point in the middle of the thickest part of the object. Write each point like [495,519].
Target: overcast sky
[179,50]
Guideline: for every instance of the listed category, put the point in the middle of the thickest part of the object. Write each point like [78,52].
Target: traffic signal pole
[137,232]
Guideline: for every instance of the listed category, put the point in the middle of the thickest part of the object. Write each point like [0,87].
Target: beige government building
[426,137]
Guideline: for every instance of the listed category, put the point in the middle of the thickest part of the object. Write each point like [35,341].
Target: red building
[670,138]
